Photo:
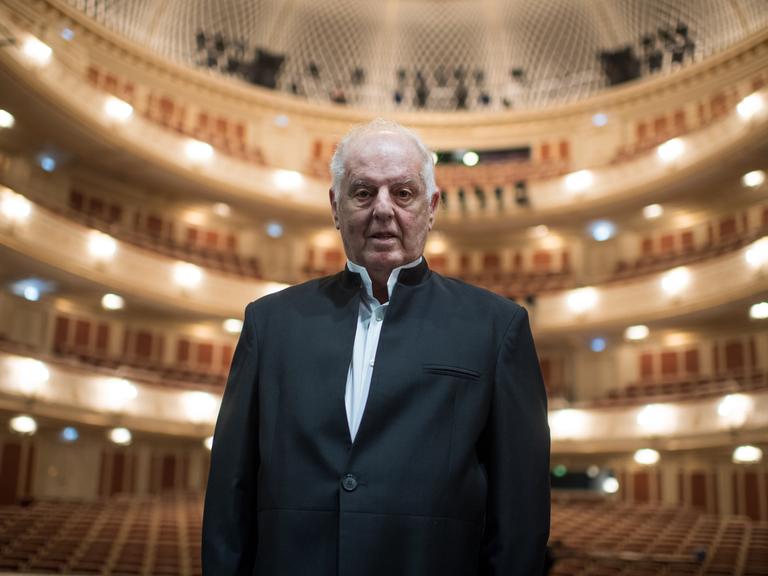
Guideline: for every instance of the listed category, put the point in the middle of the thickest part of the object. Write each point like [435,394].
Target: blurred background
[602,162]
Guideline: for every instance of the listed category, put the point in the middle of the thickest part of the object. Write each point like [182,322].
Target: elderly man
[385,420]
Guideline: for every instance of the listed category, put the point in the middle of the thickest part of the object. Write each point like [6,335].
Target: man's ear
[334,208]
[433,203]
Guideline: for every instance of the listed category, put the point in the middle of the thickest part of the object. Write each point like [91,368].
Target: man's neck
[379,285]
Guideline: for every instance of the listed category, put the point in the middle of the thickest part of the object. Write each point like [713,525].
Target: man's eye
[404,193]
[362,193]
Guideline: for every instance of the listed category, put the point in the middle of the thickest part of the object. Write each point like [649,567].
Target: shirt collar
[391,282]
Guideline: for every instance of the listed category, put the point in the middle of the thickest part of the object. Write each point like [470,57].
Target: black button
[349,482]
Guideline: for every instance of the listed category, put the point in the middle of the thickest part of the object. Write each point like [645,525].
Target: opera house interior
[602,163]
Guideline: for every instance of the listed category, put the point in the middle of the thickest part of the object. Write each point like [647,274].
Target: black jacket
[449,472]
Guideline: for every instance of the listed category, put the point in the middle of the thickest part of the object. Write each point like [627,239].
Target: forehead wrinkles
[387,159]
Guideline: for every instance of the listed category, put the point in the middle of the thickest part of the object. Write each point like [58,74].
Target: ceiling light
[6,119]
[602,230]
[540,231]
[757,254]
[281,120]
[647,456]
[187,275]
[753,179]
[656,418]
[747,454]
[579,181]
[117,109]
[599,119]
[14,206]
[582,299]
[637,332]
[101,246]
[198,151]
[749,106]
[470,158]
[568,423]
[593,471]
[233,325]
[560,470]
[120,436]
[676,281]
[67,34]
[274,230]
[36,51]
[221,209]
[288,179]
[652,211]
[31,288]
[610,485]
[670,150]
[31,293]
[23,425]
[112,302]
[759,311]
[29,375]
[597,344]
[199,406]
[208,442]
[69,434]
[47,162]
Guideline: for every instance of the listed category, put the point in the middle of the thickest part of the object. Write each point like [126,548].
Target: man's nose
[382,205]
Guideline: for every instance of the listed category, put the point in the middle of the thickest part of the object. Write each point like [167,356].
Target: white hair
[338,162]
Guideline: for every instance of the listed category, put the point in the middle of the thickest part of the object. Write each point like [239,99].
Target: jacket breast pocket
[455,371]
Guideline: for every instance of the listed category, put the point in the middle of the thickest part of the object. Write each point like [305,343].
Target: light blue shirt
[370,318]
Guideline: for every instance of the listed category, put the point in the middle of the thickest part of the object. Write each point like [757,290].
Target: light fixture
[31,293]
[670,150]
[747,454]
[187,275]
[199,406]
[676,281]
[69,434]
[274,229]
[14,206]
[23,424]
[753,179]
[117,109]
[749,106]
[30,375]
[287,179]
[647,456]
[540,231]
[281,120]
[112,302]
[582,299]
[610,485]
[101,246]
[759,311]
[757,254]
[656,418]
[470,158]
[568,423]
[602,230]
[600,119]
[593,471]
[597,344]
[579,181]
[198,151]
[233,325]
[208,443]
[733,409]
[47,162]
[67,34]
[221,209]
[636,332]
[6,119]
[117,393]
[120,436]
[653,211]
[560,470]
[39,53]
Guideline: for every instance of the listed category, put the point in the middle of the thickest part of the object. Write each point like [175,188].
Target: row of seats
[160,535]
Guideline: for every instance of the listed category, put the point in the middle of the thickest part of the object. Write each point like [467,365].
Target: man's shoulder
[302,292]
[474,297]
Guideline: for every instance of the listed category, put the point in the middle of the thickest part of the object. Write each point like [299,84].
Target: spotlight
[23,424]
[198,151]
[653,211]
[670,150]
[7,119]
[470,158]
[120,436]
[112,302]
[578,181]
[39,53]
[753,179]
[117,109]
[637,332]
[233,325]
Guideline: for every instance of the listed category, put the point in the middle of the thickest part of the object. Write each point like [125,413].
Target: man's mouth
[382,236]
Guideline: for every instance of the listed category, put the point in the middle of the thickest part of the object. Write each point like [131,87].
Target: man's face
[382,209]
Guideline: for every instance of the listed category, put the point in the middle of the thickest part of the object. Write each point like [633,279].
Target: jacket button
[349,482]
